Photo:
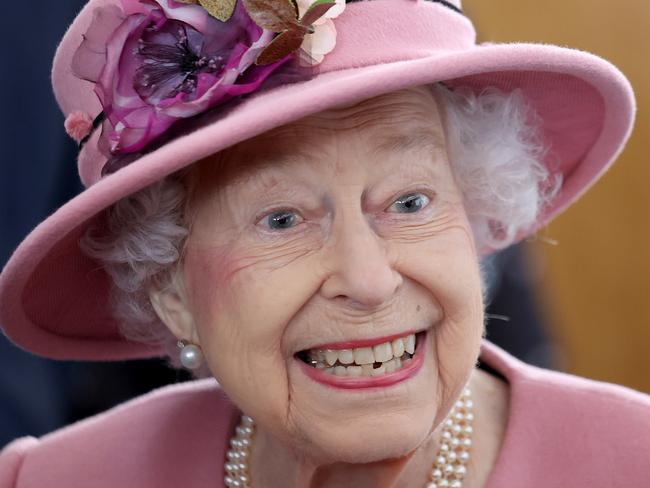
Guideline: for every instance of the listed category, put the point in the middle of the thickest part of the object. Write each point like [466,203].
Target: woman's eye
[410,203]
[283,219]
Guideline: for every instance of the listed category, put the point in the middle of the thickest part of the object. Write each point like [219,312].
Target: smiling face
[340,232]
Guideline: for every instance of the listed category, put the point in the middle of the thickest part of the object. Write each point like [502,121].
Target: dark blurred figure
[35,177]
[515,320]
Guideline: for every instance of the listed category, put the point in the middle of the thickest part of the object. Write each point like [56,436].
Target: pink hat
[54,299]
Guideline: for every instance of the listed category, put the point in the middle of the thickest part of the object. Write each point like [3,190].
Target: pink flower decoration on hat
[155,62]
[322,41]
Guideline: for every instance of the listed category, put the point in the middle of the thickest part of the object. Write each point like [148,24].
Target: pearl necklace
[448,468]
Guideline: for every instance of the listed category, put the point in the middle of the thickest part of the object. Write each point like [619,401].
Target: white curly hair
[496,154]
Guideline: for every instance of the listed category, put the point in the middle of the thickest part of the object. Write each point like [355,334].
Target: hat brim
[54,301]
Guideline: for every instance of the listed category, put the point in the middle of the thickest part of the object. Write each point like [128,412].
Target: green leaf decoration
[286,43]
[219,9]
[274,15]
[315,11]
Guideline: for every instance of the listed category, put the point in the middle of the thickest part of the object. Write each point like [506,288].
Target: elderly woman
[295,199]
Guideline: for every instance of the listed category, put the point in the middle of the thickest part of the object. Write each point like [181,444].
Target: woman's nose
[360,270]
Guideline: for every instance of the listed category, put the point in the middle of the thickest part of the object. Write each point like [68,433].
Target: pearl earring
[191,355]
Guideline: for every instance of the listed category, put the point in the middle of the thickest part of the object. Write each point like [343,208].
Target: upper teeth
[379,353]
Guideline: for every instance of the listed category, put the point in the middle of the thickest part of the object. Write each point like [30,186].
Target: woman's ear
[170,304]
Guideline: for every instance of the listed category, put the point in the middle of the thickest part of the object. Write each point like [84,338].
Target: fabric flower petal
[89,60]
[334,11]
[321,42]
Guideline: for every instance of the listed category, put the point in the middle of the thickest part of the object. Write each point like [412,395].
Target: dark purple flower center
[172,57]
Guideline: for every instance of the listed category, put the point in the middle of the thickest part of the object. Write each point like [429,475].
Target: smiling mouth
[367,361]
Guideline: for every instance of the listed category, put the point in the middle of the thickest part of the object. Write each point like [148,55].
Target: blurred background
[575,298]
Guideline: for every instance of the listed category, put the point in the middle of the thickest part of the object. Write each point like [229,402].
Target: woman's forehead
[400,111]
[398,122]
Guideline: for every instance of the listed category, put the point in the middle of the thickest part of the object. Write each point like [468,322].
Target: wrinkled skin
[352,264]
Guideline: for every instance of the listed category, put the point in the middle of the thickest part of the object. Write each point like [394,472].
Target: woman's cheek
[207,275]
[446,265]
[247,294]
[234,325]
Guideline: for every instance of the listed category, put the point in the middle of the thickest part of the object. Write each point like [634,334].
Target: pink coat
[563,431]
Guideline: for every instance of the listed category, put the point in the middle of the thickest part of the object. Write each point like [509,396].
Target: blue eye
[410,203]
[283,219]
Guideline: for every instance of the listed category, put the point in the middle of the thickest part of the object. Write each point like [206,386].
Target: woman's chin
[371,443]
